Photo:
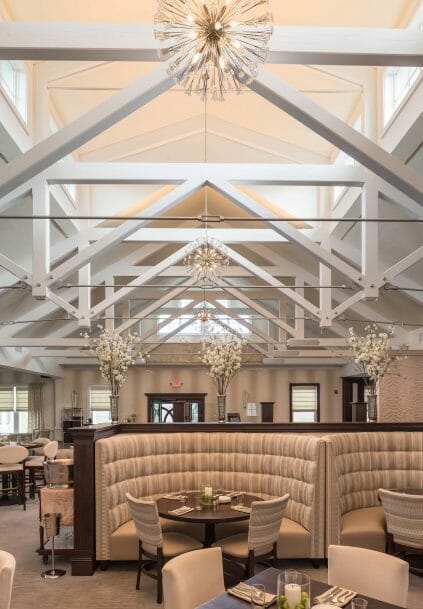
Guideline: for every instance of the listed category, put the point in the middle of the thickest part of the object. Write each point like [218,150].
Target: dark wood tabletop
[207,516]
[269,578]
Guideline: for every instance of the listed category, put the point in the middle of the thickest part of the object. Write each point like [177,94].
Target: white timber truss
[88,277]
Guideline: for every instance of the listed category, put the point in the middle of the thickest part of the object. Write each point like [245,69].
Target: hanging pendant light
[213,46]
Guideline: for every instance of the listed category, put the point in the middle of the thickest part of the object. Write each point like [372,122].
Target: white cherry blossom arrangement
[223,356]
[372,353]
[115,354]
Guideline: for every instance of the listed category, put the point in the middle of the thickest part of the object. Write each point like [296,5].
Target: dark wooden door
[179,412]
[267,412]
[352,391]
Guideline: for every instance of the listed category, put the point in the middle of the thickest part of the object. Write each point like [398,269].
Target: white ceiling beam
[122,293]
[288,231]
[370,238]
[121,232]
[16,269]
[154,307]
[255,331]
[175,235]
[339,133]
[173,173]
[401,266]
[83,129]
[317,342]
[136,42]
[255,306]
[167,336]
[43,342]
[40,237]
[275,283]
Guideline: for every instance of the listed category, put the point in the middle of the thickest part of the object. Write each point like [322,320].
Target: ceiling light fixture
[206,259]
[213,46]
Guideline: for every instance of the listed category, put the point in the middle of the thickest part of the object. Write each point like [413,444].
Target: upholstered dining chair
[158,547]
[7,572]
[12,466]
[39,452]
[404,524]
[261,539]
[369,572]
[204,568]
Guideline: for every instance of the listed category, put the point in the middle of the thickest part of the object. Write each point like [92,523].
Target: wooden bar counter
[84,560]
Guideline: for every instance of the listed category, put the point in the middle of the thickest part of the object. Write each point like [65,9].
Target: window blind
[304,397]
[21,399]
[6,398]
[99,398]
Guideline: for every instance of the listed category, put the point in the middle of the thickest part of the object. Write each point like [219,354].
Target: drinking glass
[293,589]
[183,496]
[258,596]
[198,502]
[358,603]
[240,500]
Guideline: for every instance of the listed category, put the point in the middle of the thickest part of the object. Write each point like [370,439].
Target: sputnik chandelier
[213,46]
[206,259]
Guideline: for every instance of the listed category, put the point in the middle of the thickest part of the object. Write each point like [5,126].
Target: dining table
[269,578]
[208,516]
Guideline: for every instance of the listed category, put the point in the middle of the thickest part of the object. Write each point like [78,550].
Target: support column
[40,238]
[370,238]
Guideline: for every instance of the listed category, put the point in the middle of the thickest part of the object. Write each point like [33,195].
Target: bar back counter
[332,478]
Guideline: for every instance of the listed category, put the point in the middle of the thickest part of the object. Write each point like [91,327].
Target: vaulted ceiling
[267,155]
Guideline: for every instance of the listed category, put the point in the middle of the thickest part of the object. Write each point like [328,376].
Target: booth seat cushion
[294,540]
[364,528]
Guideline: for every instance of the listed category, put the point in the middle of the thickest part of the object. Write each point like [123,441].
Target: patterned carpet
[112,589]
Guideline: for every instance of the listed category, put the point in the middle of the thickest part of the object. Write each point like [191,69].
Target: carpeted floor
[112,589]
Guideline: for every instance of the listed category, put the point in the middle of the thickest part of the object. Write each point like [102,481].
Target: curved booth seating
[358,465]
[264,464]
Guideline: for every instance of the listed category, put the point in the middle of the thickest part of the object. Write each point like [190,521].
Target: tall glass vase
[372,408]
[114,408]
[221,408]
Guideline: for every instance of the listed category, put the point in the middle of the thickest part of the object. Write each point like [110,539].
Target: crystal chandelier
[205,314]
[206,259]
[214,46]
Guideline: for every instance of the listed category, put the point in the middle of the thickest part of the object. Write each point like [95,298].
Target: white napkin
[341,597]
[176,497]
[243,592]
[241,508]
[182,510]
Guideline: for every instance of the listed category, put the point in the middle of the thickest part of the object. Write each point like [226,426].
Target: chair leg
[22,488]
[275,555]
[31,483]
[159,576]
[137,587]
[249,570]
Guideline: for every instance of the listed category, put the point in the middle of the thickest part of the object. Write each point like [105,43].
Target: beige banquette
[265,464]
[357,466]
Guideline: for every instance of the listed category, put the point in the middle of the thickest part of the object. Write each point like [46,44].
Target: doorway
[175,407]
[354,389]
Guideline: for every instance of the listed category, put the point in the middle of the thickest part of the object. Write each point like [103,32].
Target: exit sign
[176,384]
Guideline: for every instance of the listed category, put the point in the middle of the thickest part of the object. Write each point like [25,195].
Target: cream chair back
[193,578]
[146,519]
[265,522]
[370,573]
[40,450]
[50,449]
[7,572]
[404,517]
[13,454]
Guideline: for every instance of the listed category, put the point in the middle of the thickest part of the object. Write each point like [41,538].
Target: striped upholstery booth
[264,464]
[357,466]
